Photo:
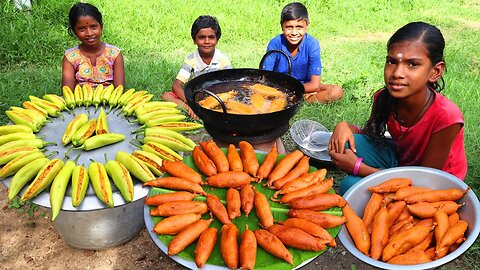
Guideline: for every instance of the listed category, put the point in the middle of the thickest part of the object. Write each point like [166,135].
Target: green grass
[155,37]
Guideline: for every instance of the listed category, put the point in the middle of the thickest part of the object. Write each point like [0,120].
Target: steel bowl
[358,195]
[92,225]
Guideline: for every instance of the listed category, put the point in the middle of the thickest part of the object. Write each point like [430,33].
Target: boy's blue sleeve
[314,58]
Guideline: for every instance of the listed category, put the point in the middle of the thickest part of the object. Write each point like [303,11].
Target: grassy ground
[154,37]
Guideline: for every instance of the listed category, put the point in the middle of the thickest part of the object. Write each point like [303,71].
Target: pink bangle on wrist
[357,128]
[356,168]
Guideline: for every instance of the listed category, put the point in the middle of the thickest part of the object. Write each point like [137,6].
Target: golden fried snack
[211,102]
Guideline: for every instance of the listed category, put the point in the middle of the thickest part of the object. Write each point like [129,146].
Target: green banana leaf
[265,260]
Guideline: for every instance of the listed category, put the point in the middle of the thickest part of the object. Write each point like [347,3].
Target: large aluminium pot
[195,90]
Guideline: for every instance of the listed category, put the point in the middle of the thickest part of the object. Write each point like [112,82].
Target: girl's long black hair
[385,104]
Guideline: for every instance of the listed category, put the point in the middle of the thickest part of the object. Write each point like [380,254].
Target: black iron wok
[243,124]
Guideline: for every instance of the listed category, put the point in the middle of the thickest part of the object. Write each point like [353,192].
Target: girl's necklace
[417,117]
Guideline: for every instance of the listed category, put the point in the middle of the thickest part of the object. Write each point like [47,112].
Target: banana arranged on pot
[121,177]
[43,179]
[22,157]
[69,97]
[137,168]
[59,186]
[100,182]
[73,127]
[80,181]
[102,124]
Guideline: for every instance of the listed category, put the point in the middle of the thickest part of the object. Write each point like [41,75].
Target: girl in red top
[426,128]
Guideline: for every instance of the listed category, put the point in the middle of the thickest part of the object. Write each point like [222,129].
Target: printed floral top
[86,73]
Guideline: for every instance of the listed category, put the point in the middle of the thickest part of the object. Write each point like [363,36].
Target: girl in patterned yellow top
[92,62]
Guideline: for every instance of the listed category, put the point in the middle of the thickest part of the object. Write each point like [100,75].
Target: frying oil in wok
[242,97]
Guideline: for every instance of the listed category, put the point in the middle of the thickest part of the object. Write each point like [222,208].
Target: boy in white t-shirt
[206,58]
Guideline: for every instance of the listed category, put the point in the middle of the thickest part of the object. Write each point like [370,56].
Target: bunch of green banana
[59,186]
[7,129]
[138,169]
[43,179]
[101,140]
[34,107]
[153,162]
[115,96]
[87,92]
[25,174]
[17,163]
[52,109]
[21,119]
[69,97]
[80,181]
[78,95]
[121,177]
[84,132]
[56,100]
[179,126]
[73,127]
[100,182]
[97,96]
[135,103]
[162,151]
[107,92]
[102,124]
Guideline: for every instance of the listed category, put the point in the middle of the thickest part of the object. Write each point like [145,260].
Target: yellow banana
[121,177]
[102,124]
[25,174]
[107,93]
[87,92]
[73,127]
[170,133]
[59,186]
[16,136]
[69,97]
[153,162]
[134,166]
[115,96]
[21,119]
[101,140]
[35,115]
[97,95]
[162,151]
[100,182]
[78,94]
[151,109]
[19,162]
[43,179]
[125,96]
[7,129]
[144,117]
[57,100]
[135,103]
[180,126]
[84,132]
[52,109]
[32,106]
[157,104]
[79,184]
[38,143]
[168,141]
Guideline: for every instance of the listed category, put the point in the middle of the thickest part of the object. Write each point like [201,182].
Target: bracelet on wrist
[357,165]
